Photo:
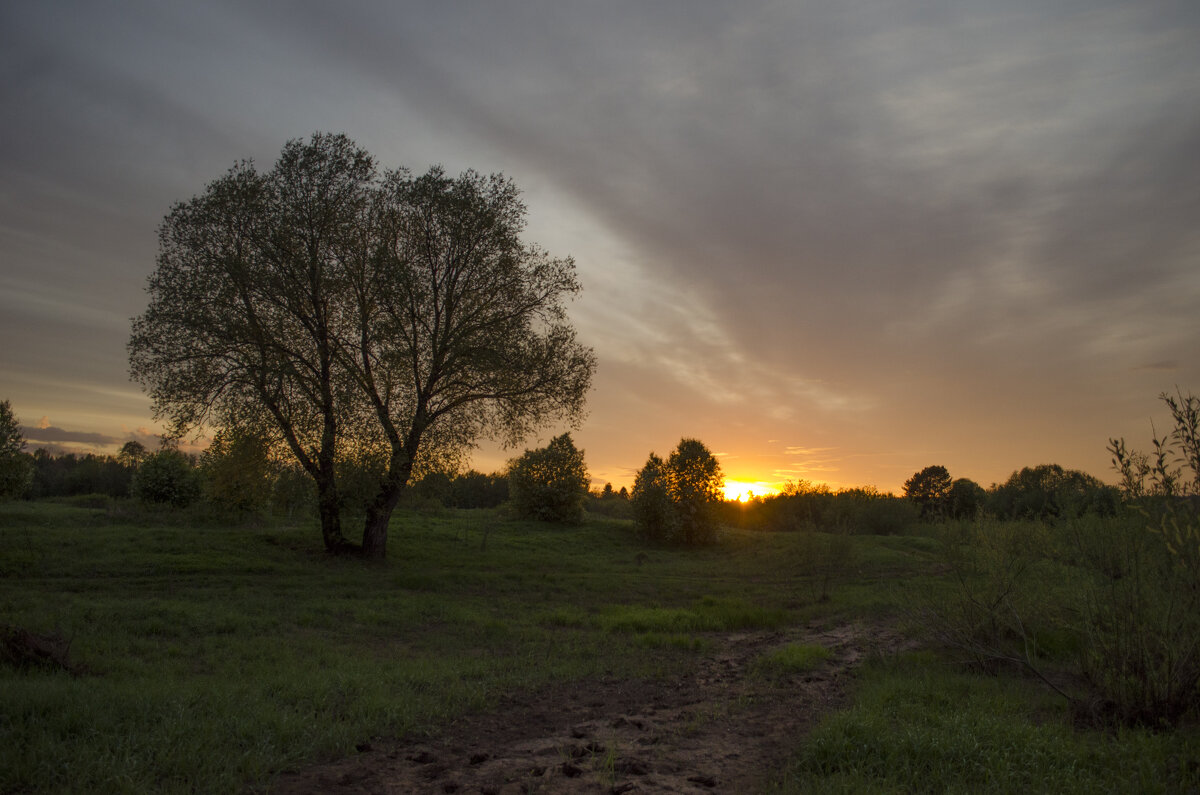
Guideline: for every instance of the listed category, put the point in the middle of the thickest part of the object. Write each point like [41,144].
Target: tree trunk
[379,512]
[375,533]
[330,512]
[331,524]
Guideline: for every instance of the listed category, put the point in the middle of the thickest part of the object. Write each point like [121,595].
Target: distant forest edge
[237,477]
[245,489]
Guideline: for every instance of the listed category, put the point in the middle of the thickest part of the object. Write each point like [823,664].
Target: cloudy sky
[837,240]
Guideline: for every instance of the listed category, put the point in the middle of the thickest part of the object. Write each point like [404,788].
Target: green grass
[917,726]
[216,656]
[793,658]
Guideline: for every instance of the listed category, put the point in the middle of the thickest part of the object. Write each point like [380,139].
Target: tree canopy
[550,483]
[676,499]
[16,469]
[353,312]
[930,489]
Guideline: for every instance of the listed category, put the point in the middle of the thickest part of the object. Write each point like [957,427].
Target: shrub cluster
[806,506]
[550,483]
[167,477]
[1117,597]
[677,500]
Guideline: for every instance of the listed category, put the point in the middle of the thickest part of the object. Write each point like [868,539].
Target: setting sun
[743,490]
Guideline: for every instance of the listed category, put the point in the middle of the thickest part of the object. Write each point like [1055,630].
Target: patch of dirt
[723,728]
[22,649]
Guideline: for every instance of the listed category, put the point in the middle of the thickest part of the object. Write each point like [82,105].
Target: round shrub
[550,484]
[168,478]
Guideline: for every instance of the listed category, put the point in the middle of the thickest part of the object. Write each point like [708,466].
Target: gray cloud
[52,434]
[863,225]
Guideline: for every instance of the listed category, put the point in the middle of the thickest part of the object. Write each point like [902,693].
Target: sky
[837,241]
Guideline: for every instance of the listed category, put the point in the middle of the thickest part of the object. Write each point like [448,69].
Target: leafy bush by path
[1113,602]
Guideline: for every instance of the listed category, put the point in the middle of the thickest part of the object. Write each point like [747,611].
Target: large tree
[354,312]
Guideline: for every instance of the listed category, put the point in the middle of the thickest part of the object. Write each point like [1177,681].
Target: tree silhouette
[132,454]
[16,468]
[676,499]
[930,489]
[352,313]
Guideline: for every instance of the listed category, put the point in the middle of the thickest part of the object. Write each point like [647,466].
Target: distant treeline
[1047,492]
[71,474]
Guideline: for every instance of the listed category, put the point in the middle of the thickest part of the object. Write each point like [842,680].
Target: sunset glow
[957,283]
[743,491]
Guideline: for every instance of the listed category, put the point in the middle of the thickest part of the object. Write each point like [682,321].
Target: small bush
[167,478]
[550,484]
[237,471]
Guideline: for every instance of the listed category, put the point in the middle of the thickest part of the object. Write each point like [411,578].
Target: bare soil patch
[723,728]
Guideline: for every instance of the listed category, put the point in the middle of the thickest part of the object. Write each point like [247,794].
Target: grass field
[212,657]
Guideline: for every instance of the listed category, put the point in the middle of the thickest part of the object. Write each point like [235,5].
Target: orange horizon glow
[746,490]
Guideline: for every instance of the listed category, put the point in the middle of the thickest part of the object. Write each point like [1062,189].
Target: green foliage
[16,470]
[167,477]
[694,480]
[292,491]
[1141,615]
[917,727]
[550,483]
[868,512]
[614,504]
[1180,445]
[678,501]
[804,506]
[132,454]
[71,474]
[473,489]
[237,471]
[653,510]
[349,309]
[1114,601]
[1049,492]
[967,499]
[930,490]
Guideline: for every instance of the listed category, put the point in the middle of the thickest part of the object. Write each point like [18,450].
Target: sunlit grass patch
[793,658]
[707,614]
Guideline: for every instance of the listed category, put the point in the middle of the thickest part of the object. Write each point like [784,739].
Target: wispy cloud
[50,433]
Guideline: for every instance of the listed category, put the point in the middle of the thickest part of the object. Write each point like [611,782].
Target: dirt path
[721,729]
